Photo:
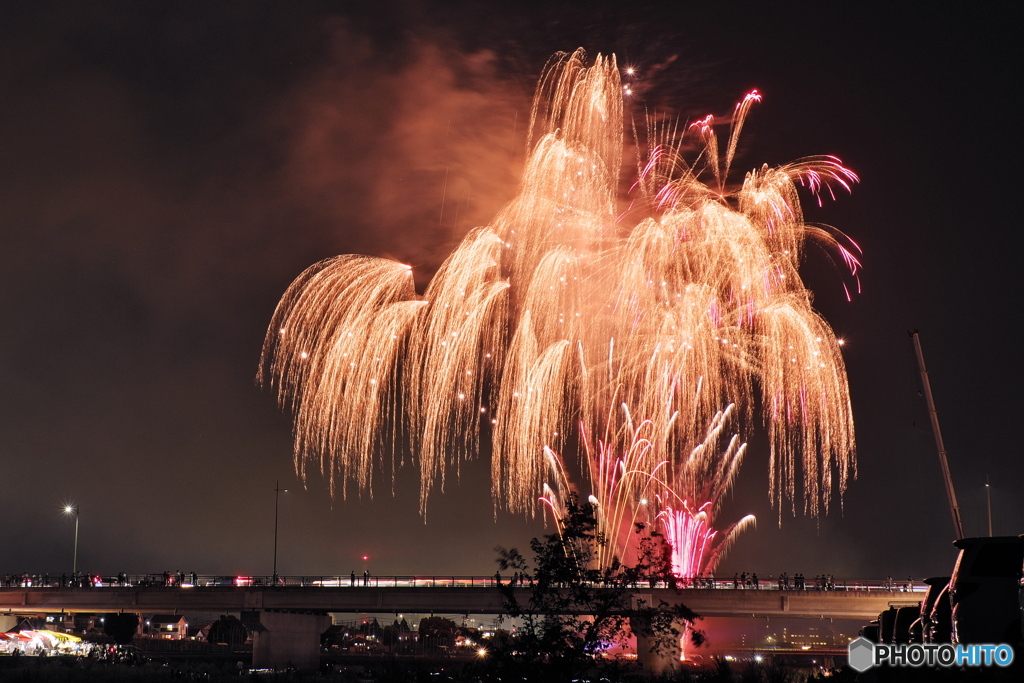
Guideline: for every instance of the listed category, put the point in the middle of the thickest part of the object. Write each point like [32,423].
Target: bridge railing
[204,581]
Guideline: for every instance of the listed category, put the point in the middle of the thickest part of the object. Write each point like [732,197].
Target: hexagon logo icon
[861,654]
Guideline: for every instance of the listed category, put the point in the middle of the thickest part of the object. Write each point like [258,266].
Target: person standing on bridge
[352,581]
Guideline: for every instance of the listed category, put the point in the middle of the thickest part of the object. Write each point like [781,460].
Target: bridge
[446,597]
[291,612]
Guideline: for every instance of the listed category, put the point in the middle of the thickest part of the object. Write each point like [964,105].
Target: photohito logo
[863,654]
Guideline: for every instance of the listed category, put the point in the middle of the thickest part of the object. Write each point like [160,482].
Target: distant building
[80,623]
[167,627]
[813,637]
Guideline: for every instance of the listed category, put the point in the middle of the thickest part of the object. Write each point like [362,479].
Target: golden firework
[559,330]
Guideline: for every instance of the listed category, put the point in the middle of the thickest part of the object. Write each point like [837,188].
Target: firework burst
[575,343]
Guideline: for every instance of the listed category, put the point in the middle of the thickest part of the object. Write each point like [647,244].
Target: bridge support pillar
[283,639]
[657,652]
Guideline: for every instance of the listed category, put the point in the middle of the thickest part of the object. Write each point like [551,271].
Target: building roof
[167,619]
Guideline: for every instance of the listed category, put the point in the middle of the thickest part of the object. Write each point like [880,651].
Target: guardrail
[203,581]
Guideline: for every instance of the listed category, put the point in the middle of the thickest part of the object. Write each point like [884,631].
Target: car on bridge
[229,581]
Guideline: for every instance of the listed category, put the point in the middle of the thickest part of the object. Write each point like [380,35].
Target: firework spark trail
[567,336]
[691,500]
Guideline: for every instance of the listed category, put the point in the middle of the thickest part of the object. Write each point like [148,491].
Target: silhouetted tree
[436,632]
[572,612]
[121,627]
[228,629]
[370,628]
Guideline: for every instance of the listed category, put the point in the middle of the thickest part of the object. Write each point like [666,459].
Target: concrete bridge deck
[450,599]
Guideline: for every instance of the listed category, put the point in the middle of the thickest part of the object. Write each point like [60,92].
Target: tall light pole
[73,510]
[277,498]
[988,501]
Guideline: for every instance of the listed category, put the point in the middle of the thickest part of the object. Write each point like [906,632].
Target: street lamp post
[73,510]
[988,502]
[277,498]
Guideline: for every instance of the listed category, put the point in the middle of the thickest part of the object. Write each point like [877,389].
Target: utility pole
[277,498]
[926,386]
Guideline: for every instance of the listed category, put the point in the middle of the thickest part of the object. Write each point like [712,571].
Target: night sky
[167,169]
